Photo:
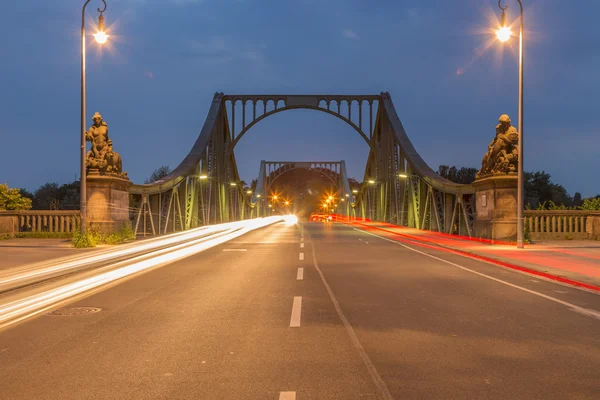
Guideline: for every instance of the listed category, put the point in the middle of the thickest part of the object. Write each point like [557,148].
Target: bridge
[399,186]
[400,296]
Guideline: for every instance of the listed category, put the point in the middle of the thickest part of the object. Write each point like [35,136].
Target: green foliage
[526,234]
[84,241]
[539,189]
[93,238]
[591,204]
[463,175]
[44,235]
[158,173]
[11,199]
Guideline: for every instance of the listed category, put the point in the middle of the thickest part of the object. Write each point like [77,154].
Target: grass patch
[43,235]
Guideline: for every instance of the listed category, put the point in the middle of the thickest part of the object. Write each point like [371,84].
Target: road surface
[314,311]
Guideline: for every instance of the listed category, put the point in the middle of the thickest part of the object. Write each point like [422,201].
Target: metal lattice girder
[425,200]
[191,202]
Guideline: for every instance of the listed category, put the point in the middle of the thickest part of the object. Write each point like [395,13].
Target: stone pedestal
[107,202]
[496,206]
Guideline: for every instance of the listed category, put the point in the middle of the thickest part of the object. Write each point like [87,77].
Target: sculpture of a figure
[502,156]
[101,157]
[98,135]
[113,160]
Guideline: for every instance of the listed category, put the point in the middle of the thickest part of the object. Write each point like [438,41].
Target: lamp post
[503,34]
[101,37]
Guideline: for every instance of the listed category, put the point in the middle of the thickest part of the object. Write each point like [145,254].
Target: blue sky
[167,58]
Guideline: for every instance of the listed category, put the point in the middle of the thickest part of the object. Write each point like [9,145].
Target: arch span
[423,200]
[278,110]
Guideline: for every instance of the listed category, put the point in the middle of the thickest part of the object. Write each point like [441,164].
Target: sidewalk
[19,252]
[575,262]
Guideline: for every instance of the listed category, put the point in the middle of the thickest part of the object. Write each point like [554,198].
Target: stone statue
[101,157]
[502,157]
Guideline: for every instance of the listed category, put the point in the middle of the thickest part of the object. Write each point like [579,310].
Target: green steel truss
[398,188]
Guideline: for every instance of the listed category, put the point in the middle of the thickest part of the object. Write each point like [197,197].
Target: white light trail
[18,310]
[41,271]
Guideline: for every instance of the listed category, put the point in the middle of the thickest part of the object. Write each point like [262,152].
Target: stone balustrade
[13,222]
[562,224]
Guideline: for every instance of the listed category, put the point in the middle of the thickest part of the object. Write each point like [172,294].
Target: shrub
[124,234]
[83,241]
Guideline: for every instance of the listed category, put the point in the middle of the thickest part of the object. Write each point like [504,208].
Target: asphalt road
[371,319]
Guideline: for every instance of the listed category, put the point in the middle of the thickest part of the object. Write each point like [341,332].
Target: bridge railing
[63,221]
[563,224]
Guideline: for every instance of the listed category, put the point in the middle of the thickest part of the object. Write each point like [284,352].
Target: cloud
[350,34]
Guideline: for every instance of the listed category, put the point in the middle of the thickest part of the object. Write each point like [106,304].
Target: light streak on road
[42,271]
[18,310]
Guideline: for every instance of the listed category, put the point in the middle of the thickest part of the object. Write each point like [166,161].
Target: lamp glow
[503,33]
[101,37]
[203,177]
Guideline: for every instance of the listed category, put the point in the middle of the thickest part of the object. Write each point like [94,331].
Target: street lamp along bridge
[199,192]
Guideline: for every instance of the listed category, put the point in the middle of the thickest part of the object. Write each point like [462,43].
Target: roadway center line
[300,275]
[287,395]
[301,257]
[301,245]
[581,310]
[296,312]
[384,392]
[235,249]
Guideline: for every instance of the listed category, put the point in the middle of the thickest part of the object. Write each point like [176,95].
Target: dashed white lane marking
[287,395]
[296,312]
[384,392]
[301,245]
[235,249]
[301,257]
[300,275]
[573,307]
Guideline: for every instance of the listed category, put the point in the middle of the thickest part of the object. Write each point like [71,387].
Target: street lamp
[101,37]
[503,34]
[203,177]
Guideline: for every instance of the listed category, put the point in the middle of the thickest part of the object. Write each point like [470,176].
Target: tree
[158,173]
[253,185]
[463,175]
[540,189]
[354,184]
[11,199]
[46,197]
[26,193]
[577,200]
